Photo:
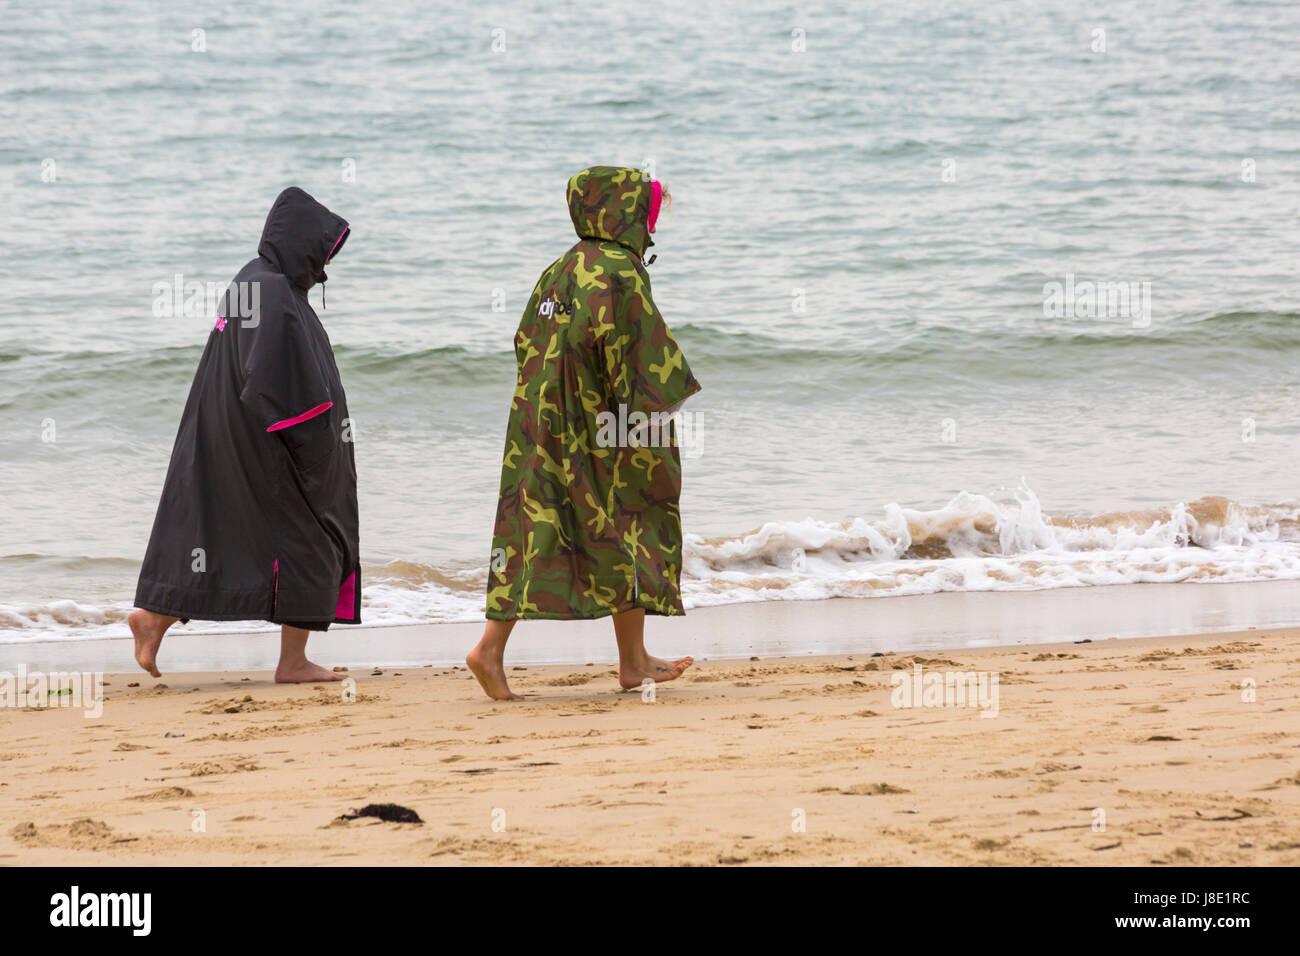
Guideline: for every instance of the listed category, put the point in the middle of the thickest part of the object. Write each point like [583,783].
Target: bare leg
[634,663]
[488,660]
[294,668]
[148,628]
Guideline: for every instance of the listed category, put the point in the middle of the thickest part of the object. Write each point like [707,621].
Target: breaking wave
[972,543]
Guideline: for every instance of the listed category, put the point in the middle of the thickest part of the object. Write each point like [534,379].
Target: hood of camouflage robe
[258,515]
[587,520]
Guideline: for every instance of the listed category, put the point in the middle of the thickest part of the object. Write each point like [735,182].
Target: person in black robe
[258,516]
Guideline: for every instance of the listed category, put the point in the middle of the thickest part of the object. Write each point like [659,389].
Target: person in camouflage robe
[587,522]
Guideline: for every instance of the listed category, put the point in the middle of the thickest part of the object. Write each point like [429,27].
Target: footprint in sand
[166,793]
[213,767]
[83,834]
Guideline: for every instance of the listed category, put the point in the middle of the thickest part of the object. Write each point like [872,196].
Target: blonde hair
[666,197]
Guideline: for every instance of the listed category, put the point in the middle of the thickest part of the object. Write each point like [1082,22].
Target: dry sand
[717,770]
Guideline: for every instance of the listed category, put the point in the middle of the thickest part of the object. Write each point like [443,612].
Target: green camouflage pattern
[588,525]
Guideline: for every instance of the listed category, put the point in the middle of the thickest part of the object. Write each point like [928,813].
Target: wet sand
[771,628]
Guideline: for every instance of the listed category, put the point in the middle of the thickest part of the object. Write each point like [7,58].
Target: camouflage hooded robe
[587,523]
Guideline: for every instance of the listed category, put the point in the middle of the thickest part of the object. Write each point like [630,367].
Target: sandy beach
[1133,752]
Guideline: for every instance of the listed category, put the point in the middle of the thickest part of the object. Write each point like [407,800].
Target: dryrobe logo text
[133,910]
[978,689]
[554,306]
[56,689]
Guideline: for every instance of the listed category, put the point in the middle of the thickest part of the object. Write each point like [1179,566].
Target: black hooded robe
[258,516]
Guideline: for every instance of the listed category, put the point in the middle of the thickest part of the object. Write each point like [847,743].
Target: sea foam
[972,543]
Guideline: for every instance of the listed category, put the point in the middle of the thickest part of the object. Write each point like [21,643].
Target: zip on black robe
[258,517]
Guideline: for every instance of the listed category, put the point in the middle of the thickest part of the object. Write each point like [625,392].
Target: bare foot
[491,674]
[303,673]
[630,676]
[148,629]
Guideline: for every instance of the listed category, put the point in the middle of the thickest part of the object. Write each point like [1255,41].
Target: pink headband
[656,197]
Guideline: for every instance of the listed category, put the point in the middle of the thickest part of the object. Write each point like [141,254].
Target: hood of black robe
[300,237]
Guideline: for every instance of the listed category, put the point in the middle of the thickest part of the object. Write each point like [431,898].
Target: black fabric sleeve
[285,383]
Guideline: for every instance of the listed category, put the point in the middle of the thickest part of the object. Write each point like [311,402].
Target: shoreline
[947,621]
[722,767]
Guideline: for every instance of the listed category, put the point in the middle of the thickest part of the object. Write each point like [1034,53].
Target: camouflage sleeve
[647,369]
[521,340]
